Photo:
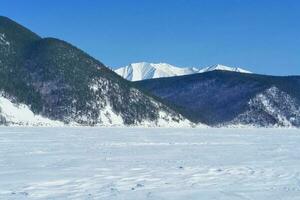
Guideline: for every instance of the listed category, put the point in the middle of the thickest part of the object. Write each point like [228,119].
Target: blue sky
[260,35]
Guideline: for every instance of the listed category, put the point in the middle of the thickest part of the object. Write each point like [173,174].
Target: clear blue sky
[261,35]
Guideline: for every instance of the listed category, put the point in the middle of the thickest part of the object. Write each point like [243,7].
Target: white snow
[144,70]
[138,163]
[20,114]
[3,40]
[165,120]
[281,106]
[265,101]
[224,68]
[109,118]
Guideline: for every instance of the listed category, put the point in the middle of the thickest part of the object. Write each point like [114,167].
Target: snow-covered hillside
[21,115]
[271,108]
[52,78]
[144,70]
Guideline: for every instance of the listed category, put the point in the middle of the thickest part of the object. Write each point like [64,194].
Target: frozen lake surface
[137,163]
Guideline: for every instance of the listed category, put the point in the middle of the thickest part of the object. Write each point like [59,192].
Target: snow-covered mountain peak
[144,70]
[224,68]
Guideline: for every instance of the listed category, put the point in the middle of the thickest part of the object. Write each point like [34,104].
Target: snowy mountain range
[50,82]
[144,70]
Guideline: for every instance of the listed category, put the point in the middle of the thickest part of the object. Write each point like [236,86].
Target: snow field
[149,163]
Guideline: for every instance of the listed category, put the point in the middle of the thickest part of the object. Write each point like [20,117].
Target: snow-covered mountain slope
[51,78]
[20,115]
[222,98]
[272,107]
[144,70]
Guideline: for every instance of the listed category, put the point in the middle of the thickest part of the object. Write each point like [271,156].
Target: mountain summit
[144,70]
[223,68]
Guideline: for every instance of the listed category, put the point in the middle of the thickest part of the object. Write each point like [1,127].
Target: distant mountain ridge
[144,70]
[224,98]
[47,81]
